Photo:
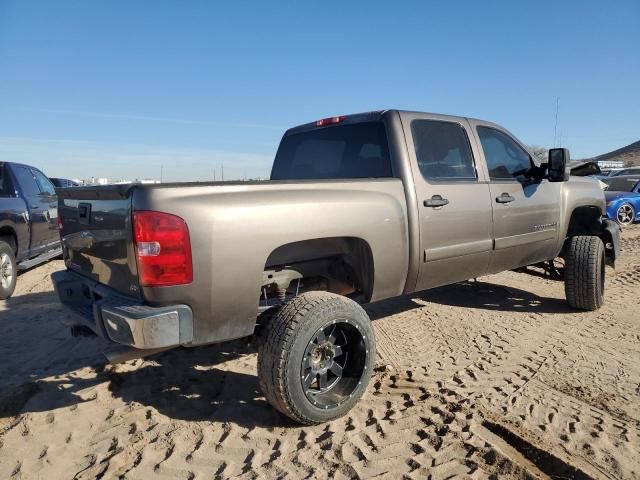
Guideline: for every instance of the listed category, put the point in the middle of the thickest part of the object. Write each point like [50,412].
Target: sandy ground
[495,378]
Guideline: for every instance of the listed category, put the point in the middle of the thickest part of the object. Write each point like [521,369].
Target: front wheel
[584,272]
[8,270]
[317,357]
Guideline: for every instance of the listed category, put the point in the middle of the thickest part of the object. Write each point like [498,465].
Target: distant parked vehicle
[625,171]
[623,198]
[28,222]
[581,168]
[63,182]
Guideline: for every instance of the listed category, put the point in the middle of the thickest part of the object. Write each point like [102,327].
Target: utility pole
[214,174]
[222,167]
[161,172]
[555,128]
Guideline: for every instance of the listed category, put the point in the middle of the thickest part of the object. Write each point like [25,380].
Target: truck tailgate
[97,236]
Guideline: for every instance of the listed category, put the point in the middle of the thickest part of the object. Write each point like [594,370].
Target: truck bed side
[235,229]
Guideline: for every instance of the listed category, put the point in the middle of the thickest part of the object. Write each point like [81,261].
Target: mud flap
[611,238]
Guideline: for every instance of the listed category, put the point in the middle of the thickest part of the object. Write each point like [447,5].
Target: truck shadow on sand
[43,368]
[214,383]
[490,296]
[201,384]
[477,295]
[181,384]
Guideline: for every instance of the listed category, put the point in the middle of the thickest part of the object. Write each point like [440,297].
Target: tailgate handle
[84,212]
[436,201]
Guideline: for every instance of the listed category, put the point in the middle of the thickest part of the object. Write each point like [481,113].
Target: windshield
[357,150]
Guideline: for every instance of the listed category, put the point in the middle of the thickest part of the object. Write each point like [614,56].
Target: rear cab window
[358,150]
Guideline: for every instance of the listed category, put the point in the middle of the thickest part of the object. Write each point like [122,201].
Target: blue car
[623,198]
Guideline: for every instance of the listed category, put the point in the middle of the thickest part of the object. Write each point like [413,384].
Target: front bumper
[121,319]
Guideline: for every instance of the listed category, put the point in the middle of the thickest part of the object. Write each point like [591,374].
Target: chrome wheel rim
[6,271]
[625,214]
[333,363]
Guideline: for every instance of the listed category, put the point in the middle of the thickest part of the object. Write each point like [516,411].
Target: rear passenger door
[453,200]
[525,212]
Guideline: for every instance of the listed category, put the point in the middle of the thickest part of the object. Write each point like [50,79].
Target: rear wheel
[8,270]
[625,214]
[585,273]
[316,358]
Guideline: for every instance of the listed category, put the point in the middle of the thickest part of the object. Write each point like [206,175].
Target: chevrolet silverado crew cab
[358,209]
[28,222]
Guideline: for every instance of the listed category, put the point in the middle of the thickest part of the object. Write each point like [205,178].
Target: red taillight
[163,249]
[59,220]
[330,121]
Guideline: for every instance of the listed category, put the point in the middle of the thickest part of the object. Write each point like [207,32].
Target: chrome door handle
[505,198]
[436,201]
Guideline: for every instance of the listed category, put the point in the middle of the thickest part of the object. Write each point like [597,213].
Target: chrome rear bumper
[121,319]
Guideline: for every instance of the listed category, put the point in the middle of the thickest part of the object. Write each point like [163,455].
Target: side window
[26,181]
[443,150]
[44,183]
[506,160]
[6,188]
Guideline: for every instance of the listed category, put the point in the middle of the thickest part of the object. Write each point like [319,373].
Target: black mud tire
[584,276]
[7,264]
[285,346]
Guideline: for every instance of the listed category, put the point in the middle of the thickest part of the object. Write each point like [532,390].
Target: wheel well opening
[341,265]
[585,221]
[9,236]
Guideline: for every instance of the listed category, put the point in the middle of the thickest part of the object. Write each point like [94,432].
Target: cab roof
[372,116]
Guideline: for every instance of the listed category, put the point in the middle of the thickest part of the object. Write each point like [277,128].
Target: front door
[526,212]
[453,200]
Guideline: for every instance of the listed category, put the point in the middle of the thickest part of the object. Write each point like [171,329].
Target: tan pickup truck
[359,208]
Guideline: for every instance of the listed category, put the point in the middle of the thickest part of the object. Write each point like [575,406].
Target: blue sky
[121,88]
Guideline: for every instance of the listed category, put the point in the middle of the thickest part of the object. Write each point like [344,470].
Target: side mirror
[558,166]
